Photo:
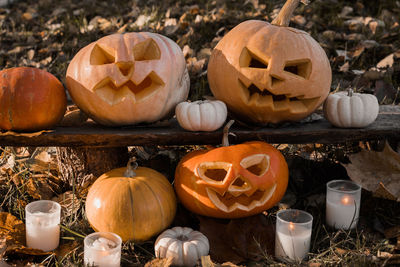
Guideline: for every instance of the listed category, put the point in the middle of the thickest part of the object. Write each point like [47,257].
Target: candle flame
[346,200]
[291,226]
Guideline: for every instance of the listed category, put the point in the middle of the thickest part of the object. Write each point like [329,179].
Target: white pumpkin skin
[183,244]
[200,115]
[351,110]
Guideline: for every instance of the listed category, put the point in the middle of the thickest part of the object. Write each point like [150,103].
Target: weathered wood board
[387,125]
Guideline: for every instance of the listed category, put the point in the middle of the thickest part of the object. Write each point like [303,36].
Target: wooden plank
[387,125]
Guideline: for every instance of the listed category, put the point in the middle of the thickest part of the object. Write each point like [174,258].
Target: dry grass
[47,34]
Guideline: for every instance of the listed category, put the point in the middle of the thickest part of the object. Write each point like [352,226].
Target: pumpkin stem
[130,168]
[350,92]
[286,12]
[225,137]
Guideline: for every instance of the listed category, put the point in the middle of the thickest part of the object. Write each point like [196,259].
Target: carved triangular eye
[257,164]
[250,60]
[147,50]
[300,68]
[102,55]
[213,172]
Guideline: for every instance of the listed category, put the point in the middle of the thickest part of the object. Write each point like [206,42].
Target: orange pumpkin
[30,99]
[268,73]
[129,78]
[133,203]
[232,181]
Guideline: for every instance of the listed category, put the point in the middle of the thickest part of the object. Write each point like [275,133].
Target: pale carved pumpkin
[184,245]
[207,115]
[124,79]
[268,73]
[351,110]
[232,181]
[135,203]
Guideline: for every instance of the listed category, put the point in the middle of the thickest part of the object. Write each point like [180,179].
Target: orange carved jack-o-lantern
[124,79]
[268,73]
[233,181]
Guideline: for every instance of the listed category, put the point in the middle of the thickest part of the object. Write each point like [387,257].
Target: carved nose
[125,68]
[238,187]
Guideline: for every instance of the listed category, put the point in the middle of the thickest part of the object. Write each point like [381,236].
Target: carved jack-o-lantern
[129,78]
[268,73]
[233,181]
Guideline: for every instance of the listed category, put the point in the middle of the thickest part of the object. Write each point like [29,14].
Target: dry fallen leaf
[238,240]
[73,117]
[207,262]
[41,186]
[13,230]
[376,170]
[392,232]
[65,248]
[25,134]
[159,263]
[70,203]
[386,62]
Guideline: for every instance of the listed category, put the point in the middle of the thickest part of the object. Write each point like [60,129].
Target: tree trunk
[80,166]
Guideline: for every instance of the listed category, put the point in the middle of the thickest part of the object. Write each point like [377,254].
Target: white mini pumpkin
[351,110]
[207,115]
[183,244]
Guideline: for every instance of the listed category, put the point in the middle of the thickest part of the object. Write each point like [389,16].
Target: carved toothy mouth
[262,97]
[112,94]
[230,202]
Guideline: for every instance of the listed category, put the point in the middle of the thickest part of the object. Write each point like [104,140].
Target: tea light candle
[343,200]
[102,249]
[42,219]
[293,234]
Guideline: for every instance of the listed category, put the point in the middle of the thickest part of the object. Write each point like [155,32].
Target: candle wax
[293,243]
[100,253]
[42,232]
[342,215]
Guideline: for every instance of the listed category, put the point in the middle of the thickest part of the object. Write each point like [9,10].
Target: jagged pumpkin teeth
[233,181]
[124,79]
[269,58]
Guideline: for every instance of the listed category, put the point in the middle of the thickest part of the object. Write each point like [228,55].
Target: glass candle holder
[102,249]
[293,234]
[343,200]
[42,219]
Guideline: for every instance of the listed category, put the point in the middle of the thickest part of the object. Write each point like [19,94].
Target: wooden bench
[387,126]
[93,149]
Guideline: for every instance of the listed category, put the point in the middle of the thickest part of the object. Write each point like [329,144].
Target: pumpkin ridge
[158,200]
[132,187]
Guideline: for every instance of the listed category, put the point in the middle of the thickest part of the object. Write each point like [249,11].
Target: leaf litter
[360,39]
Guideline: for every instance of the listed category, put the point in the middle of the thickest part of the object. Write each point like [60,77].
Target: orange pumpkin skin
[30,99]
[269,74]
[232,182]
[125,79]
[135,208]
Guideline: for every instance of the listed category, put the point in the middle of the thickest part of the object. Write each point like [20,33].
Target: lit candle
[343,200]
[102,249]
[293,234]
[42,219]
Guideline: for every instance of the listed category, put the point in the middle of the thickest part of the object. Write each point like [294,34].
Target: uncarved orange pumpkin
[135,205]
[124,79]
[269,73]
[30,99]
[233,181]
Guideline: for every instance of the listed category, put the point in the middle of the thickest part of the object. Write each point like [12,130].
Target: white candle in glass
[293,234]
[343,200]
[42,219]
[102,249]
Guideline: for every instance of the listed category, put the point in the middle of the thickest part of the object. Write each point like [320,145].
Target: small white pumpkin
[351,110]
[183,244]
[206,115]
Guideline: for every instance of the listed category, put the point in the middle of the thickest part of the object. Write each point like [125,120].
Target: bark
[80,166]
